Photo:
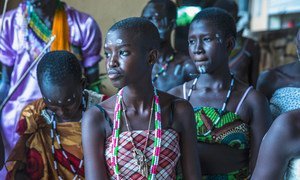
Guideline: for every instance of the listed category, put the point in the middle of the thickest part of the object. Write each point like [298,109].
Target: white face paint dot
[69,100]
[119,41]
[59,101]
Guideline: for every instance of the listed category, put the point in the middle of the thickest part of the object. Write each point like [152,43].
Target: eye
[124,53]
[107,55]
[191,42]
[206,39]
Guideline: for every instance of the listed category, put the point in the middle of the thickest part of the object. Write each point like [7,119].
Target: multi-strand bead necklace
[116,135]
[53,132]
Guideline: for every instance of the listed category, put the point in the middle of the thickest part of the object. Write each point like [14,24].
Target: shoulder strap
[105,115]
[242,99]
[184,90]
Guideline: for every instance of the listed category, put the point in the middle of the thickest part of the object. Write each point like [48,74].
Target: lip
[200,62]
[114,74]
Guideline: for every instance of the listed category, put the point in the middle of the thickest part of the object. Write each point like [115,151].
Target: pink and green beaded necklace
[116,133]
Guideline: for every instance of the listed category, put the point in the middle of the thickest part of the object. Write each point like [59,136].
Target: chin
[118,85]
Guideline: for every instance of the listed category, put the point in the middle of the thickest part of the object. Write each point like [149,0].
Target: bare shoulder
[288,123]
[177,91]
[256,99]
[179,105]
[287,128]
[266,82]
[185,61]
[96,117]
[182,111]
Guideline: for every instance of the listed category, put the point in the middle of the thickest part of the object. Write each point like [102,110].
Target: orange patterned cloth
[60,29]
[32,154]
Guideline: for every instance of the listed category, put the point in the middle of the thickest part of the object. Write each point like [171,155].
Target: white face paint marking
[69,100]
[202,70]
[119,41]
[219,38]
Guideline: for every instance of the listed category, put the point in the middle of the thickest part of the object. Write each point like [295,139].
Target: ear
[153,56]
[83,83]
[230,44]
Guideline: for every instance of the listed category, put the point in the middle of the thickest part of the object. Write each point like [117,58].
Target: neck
[47,13]
[138,97]
[217,80]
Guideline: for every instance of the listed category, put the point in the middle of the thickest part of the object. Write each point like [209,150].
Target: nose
[113,61]
[198,48]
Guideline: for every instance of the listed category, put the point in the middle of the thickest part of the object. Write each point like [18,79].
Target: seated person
[50,145]
[231,117]
[245,56]
[26,31]
[279,153]
[172,68]
[140,133]
[281,85]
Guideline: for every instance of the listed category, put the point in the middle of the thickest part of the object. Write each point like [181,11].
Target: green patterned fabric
[238,174]
[230,130]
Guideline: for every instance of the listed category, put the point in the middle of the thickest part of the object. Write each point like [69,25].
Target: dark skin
[66,107]
[129,65]
[245,63]
[181,68]
[246,67]
[287,75]
[280,145]
[45,10]
[211,89]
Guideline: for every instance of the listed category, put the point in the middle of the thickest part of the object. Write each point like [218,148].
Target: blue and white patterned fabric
[284,99]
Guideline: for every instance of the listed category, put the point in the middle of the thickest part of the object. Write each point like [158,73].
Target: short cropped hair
[169,6]
[58,68]
[144,28]
[219,18]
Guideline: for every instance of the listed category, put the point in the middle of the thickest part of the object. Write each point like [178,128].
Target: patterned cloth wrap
[32,153]
[284,99]
[85,40]
[230,131]
[168,159]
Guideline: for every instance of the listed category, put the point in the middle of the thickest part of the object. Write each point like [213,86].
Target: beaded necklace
[139,155]
[36,24]
[54,132]
[222,111]
[163,68]
[116,135]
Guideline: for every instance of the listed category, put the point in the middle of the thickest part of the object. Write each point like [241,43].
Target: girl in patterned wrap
[231,117]
[281,85]
[140,133]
